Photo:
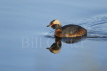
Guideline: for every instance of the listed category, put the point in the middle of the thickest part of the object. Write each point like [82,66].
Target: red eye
[52,23]
[52,49]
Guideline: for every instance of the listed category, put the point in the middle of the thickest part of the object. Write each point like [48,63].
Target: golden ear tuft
[56,21]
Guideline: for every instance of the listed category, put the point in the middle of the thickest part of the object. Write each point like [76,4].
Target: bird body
[70,30]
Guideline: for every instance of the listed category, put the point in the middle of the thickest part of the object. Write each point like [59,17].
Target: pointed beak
[48,25]
[47,48]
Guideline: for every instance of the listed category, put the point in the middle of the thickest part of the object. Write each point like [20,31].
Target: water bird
[70,30]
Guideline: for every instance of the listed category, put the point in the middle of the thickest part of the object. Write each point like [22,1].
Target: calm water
[23,40]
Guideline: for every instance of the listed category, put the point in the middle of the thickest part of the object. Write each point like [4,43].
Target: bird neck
[58,27]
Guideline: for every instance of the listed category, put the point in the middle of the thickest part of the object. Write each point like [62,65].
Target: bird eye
[52,23]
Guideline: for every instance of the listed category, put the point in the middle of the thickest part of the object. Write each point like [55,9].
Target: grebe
[67,30]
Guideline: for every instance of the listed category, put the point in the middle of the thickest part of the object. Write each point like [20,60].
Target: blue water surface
[23,32]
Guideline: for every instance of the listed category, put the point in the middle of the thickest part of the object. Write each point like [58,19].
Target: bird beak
[48,25]
[47,48]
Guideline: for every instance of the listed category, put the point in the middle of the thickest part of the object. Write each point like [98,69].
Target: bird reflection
[73,40]
[56,46]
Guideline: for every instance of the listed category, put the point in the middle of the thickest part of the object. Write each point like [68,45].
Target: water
[23,40]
